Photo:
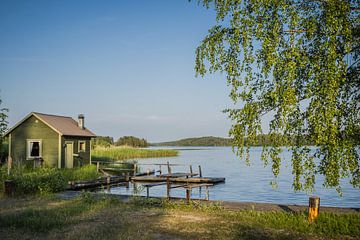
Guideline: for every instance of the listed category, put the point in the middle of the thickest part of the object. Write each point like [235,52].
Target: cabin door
[69,158]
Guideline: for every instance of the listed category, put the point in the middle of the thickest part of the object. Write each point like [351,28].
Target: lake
[243,183]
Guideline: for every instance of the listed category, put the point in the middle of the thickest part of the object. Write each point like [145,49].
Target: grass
[105,217]
[44,180]
[123,153]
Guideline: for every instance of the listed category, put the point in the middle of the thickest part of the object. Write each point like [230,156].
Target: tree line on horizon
[107,141]
[208,141]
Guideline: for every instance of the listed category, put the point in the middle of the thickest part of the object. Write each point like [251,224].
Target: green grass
[105,217]
[45,180]
[123,153]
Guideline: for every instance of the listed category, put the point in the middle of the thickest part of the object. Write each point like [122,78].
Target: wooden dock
[109,180]
[180,179]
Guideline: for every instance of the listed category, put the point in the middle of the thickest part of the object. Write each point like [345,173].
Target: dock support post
[200,173]
[127,180]
[97,166]
[147,191]
[207,193]
[191,171]
[314,205]
[168,187]
[160,170]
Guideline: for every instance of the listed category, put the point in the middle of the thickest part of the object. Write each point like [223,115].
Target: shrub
[40,180]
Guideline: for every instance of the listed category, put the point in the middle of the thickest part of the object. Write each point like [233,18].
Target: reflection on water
[243,183]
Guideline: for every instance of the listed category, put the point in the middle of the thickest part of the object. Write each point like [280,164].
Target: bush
[40,180]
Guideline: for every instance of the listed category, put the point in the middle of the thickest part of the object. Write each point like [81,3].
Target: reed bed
[124,153]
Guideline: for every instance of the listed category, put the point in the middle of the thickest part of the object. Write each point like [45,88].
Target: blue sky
[127,65]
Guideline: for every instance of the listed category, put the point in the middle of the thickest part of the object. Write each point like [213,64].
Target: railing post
[169,168]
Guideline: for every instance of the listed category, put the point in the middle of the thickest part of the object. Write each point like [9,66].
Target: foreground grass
[124,153]
[109,218]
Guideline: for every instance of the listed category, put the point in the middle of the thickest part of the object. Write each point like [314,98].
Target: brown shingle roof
[61,124]
[64,125]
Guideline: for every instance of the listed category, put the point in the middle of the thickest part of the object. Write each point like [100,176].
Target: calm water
[243,183]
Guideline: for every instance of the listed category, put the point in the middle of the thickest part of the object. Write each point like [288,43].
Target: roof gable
[60,124]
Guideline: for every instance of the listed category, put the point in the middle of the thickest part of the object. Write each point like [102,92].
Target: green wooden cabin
[50,140]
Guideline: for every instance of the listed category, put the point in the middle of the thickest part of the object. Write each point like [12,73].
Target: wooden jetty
[109,180]
[180,179]
[119,171]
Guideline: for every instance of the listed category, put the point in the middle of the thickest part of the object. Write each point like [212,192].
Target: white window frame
[81,141]
[28,141]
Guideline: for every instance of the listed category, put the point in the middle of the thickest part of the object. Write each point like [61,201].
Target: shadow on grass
[250,233]
[286,208]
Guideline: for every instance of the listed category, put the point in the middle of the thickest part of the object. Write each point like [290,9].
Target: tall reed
[124,153]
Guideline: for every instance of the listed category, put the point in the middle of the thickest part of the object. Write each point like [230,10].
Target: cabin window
[82,146]
[33,149]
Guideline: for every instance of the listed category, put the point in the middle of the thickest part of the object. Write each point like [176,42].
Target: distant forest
[199,141]
[219,142]
[131,141]
[210,141]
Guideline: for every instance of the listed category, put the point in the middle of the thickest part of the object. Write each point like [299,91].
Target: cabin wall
[84,157]
[33,128]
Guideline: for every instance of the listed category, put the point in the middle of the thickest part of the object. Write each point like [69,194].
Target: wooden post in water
[160,170]
[314,205]
[134,169]
[200,173]
[169,168]
[191,171]
[147,191]
[168,187]
[207,193]
[97,166]
[127,180]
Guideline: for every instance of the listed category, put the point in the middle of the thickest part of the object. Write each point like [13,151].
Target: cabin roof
[61,124]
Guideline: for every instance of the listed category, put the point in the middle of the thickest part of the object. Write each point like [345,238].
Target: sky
[127,65]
